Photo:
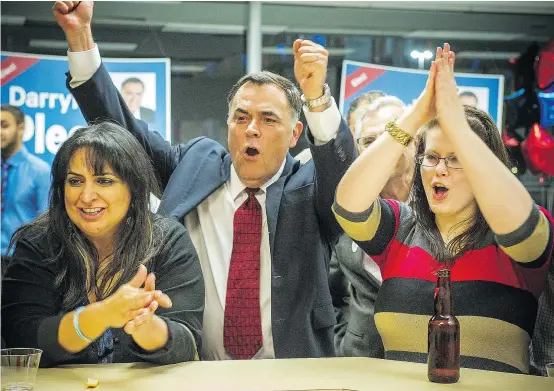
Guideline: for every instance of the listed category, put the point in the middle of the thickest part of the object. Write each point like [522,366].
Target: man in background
[132,91]
[542,344]
[369,127]
[25,178]
[357,107]
[356,334]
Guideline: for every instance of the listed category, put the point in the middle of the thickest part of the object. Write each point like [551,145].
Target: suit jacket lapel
[196,184]
[273,201]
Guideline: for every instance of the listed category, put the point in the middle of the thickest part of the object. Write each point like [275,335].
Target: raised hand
[310,67]
[430,93]
[451,55]
[129,301]
[449,107]
[424,108]
[73,15]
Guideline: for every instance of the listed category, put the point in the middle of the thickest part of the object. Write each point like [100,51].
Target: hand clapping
[450,110]
[146,315]
[131,305]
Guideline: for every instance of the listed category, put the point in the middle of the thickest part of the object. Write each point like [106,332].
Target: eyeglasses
[430,160]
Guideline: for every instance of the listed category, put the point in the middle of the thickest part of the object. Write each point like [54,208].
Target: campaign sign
[37,85]
[486,92]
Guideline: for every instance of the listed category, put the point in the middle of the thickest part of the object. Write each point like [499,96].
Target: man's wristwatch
[322,100]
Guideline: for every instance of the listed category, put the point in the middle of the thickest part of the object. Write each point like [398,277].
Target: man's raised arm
[94,91]
[331,141]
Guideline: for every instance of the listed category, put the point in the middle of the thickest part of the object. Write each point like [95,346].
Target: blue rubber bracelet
[76,325]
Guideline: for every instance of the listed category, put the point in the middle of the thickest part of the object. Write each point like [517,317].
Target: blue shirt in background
[27,191]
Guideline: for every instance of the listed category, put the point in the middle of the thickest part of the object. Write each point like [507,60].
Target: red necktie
[242,328]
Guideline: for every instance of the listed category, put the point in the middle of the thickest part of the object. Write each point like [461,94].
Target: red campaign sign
[15,66]
[359,79]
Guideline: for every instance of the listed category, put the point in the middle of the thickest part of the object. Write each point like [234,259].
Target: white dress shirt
[369,264]
[210,226]
[372,268]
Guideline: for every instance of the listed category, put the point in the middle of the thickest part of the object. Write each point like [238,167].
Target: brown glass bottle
[443,360]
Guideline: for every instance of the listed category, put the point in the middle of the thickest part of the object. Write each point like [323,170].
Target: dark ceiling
[211,35]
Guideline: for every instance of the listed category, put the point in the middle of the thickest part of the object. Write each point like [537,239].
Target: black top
[31,305]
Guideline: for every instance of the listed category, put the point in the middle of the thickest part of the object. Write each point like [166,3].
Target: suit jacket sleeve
[340,294]
[99,100]
[331,161]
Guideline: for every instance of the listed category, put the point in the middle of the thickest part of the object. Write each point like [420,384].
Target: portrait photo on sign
[475,96]
[138,89]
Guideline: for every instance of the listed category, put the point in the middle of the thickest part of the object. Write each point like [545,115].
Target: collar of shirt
[236,187]
[17,158]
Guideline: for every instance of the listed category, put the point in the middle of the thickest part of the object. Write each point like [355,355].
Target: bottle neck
[443,298]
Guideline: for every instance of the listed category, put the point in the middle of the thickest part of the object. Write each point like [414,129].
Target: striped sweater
[495,287]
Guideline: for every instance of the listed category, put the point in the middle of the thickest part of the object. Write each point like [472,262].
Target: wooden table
[272,375]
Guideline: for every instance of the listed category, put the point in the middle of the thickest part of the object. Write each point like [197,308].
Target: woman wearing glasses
[467,212]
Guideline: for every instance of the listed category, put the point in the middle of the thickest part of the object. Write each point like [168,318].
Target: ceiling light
[288,50]
[103,46]
[421,57]
[466,35]
[222,29]
[416,54]
[13,20]
[344,31]
[127,22]
[486,55]
[187,68]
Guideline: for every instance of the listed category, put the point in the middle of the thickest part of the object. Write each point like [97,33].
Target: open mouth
[251,151]
[439,192]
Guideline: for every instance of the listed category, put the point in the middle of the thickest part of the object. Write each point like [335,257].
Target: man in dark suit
[215,193]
